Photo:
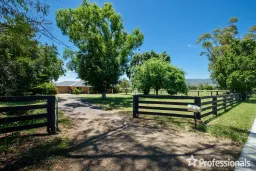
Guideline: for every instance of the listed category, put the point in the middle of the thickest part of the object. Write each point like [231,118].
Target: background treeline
[202,86]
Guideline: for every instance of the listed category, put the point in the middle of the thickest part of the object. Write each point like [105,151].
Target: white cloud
[189,45]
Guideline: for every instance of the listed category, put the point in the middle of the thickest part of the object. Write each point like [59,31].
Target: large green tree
[232,57]
[103,43]
[24,62]
[158,74]
[138,59]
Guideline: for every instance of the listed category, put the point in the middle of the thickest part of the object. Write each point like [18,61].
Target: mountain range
[197,81]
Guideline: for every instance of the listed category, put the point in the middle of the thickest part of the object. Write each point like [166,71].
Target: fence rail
[214,104]
[9,124]
[144,105]
[208,91]
[173,108]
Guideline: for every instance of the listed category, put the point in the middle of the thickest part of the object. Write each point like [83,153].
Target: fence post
[197,115]
[231,96]
[51,119]
[57,112]
[135,106]
[214,105]
[243,96]
[225,102]
[236,98]
[198,93]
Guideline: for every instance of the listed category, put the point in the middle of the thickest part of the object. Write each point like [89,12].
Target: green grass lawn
[113,101]
[234,124]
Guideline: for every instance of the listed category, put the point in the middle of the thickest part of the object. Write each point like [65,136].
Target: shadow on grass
[234,126]
[236,134]
[56,147]
[220,114]
[110,103]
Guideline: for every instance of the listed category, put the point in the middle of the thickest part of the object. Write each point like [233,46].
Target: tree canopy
[138,58]
[102,42]
[158,74]
[24,62]
[33,12]
[232,59]
[125,84]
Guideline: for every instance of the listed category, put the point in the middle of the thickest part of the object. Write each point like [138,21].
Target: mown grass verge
[235,123]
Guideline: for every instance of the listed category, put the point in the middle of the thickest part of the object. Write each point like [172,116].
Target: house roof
[65,83]
[72,84]
[80,84]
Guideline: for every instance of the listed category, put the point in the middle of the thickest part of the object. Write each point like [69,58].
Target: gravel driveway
[106,140]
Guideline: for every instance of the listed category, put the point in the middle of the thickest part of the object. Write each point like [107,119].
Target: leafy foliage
[200,86]
[117,88]
[33,12]
[24,62]
[18,8]
[208,87]
[46,89]
[205,86]
[232,60]
[103,43]
[77,91]
[158,74]
[125,85]
[139,58]
[192,87]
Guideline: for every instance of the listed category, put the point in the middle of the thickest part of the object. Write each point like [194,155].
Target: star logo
[192,161]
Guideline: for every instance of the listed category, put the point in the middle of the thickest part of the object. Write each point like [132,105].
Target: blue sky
[170,25]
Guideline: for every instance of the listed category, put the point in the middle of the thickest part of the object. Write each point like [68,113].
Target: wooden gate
[13,116]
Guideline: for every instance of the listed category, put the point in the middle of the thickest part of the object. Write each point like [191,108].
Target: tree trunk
[157,92]
[103,95]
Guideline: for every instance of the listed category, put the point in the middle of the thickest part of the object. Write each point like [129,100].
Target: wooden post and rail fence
[24,121]
[176,105]
[14,118]
[212,92]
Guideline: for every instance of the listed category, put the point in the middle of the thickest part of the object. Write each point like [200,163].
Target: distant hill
[197,81]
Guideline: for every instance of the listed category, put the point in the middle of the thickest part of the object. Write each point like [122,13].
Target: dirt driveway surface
[106,140]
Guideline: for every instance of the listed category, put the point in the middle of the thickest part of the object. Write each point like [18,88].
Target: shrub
[192,87]
[77,91]
[46,89]
[117,89]
[125,85]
